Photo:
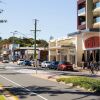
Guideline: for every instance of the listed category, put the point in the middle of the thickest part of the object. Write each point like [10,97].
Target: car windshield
[55,62]
[47,61]
[27,61]
[64,62]
[21,60]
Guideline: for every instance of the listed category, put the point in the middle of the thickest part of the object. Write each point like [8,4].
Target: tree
[42,43]
[0,38]
[25,42]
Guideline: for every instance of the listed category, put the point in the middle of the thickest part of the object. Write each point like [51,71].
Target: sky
[56,18]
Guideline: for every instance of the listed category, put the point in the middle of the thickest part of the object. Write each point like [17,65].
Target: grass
[85,82]
[2,97]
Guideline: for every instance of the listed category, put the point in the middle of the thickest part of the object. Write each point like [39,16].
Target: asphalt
[53,76]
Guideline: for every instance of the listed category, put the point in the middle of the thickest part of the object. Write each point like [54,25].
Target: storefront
[63,49]
[91,46]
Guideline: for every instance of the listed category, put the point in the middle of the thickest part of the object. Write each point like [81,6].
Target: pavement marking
[23,87]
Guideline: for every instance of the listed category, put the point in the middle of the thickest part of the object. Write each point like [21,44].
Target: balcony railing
[82,10]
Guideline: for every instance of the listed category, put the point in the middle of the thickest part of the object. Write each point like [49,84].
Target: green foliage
[24,42]
[42,43]
[86,82]
[2,97]
[0,38]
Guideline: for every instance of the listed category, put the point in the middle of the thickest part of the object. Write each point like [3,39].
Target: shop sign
[92,42]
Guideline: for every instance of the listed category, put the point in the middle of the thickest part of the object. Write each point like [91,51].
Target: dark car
[53,65]
[27,63]
[63,65]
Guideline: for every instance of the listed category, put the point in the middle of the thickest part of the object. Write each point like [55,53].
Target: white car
[20,61]
[5,61]
[45,64]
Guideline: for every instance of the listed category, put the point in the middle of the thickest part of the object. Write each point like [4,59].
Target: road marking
[23,87]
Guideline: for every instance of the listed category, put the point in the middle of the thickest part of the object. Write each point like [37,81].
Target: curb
[46,77]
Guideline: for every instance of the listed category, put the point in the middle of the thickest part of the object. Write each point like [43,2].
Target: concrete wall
[89,14]
[79,50]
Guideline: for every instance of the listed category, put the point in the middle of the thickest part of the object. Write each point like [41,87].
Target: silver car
[20,61]
[45,64]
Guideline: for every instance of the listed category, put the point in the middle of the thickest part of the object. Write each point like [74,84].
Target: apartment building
[88,14]
[86,40]
[88,23]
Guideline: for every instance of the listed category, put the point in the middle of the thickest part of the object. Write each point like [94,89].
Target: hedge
[85,82]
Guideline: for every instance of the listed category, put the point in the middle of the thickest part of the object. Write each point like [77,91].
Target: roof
[86,30]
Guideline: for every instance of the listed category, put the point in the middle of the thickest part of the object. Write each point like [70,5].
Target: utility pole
[35,32]
[13,44]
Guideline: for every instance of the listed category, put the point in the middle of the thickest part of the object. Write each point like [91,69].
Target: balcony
[97,8]
[96,22]
[81,12]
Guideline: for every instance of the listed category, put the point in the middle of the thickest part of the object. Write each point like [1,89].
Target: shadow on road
[34,90]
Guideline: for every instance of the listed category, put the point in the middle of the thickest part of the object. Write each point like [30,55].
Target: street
[20,81]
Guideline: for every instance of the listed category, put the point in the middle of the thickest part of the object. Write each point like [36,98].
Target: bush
[85,82]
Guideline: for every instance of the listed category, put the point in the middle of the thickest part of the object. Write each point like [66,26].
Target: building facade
[28,53]
[86,40]
[62,49]
[88,14]
[88,23]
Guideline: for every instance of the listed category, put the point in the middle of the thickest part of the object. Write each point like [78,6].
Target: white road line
[23,87]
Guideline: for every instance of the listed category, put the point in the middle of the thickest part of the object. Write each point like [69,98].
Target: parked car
[5,61]
[63,65]
[32,63]
[26,63]
[20,61]
[35,63]
[45,64]
[53,65]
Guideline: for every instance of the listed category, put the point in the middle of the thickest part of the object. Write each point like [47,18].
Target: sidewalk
[53,77]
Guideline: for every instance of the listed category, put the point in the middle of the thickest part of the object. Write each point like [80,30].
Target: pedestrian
[92,67]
